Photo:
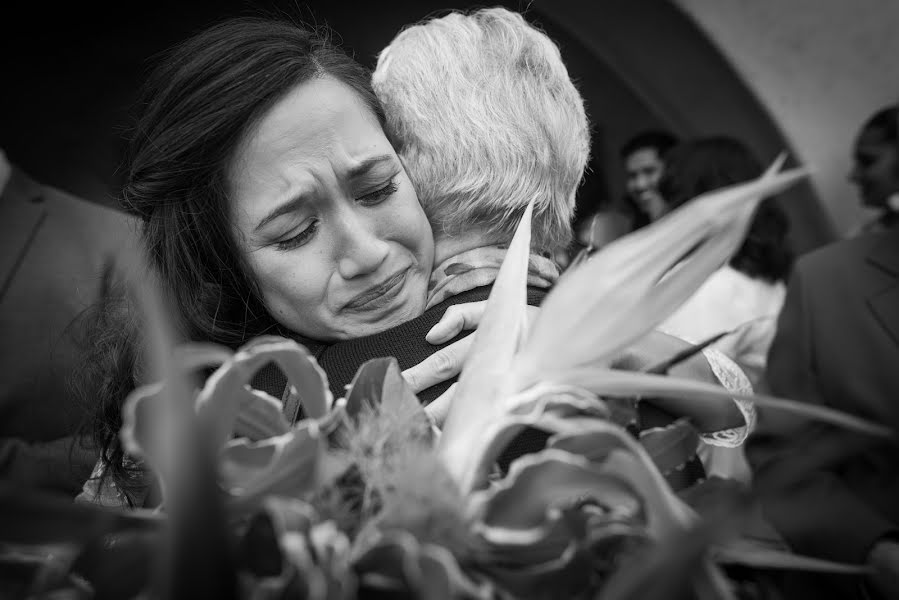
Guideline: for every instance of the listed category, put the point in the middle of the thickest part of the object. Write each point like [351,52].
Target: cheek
[290,287]
[410,226]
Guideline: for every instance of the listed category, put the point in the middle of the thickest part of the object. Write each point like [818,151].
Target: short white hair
[485,117]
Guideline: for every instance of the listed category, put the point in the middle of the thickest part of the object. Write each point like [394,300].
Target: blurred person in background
[643,157]
[831,493]
[644,165]
[875,169]
[56,254]
[748,292]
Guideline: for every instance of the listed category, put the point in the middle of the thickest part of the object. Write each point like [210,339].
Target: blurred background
[800,75]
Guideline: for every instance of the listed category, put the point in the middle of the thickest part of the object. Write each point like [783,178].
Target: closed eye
[380,195]
[299,239]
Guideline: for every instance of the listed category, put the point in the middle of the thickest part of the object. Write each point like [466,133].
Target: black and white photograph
[420,299]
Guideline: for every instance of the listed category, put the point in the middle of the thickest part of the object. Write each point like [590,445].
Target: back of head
[883,126]
[707,164]
[483,112]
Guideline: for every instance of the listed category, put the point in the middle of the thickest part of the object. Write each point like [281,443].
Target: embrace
[285,190]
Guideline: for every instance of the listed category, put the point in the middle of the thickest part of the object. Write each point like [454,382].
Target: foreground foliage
[364,496]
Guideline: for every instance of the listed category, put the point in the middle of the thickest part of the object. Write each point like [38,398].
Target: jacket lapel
[884,303]
[22,213]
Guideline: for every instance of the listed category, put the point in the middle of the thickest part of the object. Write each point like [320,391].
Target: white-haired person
[362,237]
[482,111]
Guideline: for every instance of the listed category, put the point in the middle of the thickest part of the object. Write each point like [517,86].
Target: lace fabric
[734,380]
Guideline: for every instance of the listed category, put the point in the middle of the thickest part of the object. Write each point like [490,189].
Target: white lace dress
[721,452]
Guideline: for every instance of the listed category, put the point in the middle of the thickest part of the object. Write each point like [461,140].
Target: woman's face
[875,168]
[327,219]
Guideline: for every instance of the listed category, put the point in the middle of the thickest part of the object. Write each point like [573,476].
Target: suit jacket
[830,493]
[54,250]
[405,342]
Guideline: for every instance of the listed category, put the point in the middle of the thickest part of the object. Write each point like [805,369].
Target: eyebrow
[354,172]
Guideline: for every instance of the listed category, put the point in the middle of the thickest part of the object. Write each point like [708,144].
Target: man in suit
[54,251]
[833,494]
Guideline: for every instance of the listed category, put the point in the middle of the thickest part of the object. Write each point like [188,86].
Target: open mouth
[380,294]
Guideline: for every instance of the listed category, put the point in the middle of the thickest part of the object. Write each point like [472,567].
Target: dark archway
[683,81]
[638,63]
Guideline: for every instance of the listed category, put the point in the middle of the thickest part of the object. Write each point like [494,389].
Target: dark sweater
[406,342]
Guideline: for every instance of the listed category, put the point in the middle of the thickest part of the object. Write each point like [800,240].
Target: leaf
[711,583]
[566,576]
[496,340]
[637,281]
[664,366]
[740,552]
[665,570]
[613,382]
[380,383]
[261,544]
[394,563]
[197,558]
[672,445]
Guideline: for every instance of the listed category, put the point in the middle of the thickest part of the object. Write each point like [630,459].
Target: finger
[444,364]
[439,408]
[457,318]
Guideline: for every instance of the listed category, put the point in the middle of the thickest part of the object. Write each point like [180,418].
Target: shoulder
[839,254]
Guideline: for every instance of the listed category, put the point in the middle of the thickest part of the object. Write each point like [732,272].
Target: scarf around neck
[478,267]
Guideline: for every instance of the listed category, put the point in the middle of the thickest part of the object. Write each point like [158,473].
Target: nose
[854,175]
[643,183]
[362,249]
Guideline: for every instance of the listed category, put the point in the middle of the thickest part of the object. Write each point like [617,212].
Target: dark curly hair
[197,107]
[706,164]
[884,123]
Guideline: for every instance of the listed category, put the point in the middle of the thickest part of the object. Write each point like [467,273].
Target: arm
[61,465]
[653,348]
[706,417]
[794,461]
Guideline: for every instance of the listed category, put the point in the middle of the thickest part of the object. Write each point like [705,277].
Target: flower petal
[666,513]
[550,480]
[227,390]
[395,562]
[260,416]
[549,407]
[300,465]
[637,281]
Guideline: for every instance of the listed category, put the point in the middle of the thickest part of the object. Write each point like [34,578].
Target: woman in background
[748,292]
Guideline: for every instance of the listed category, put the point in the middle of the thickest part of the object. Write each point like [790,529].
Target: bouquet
[365,497]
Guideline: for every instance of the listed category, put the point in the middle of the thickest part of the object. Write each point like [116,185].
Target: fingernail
[436,334]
